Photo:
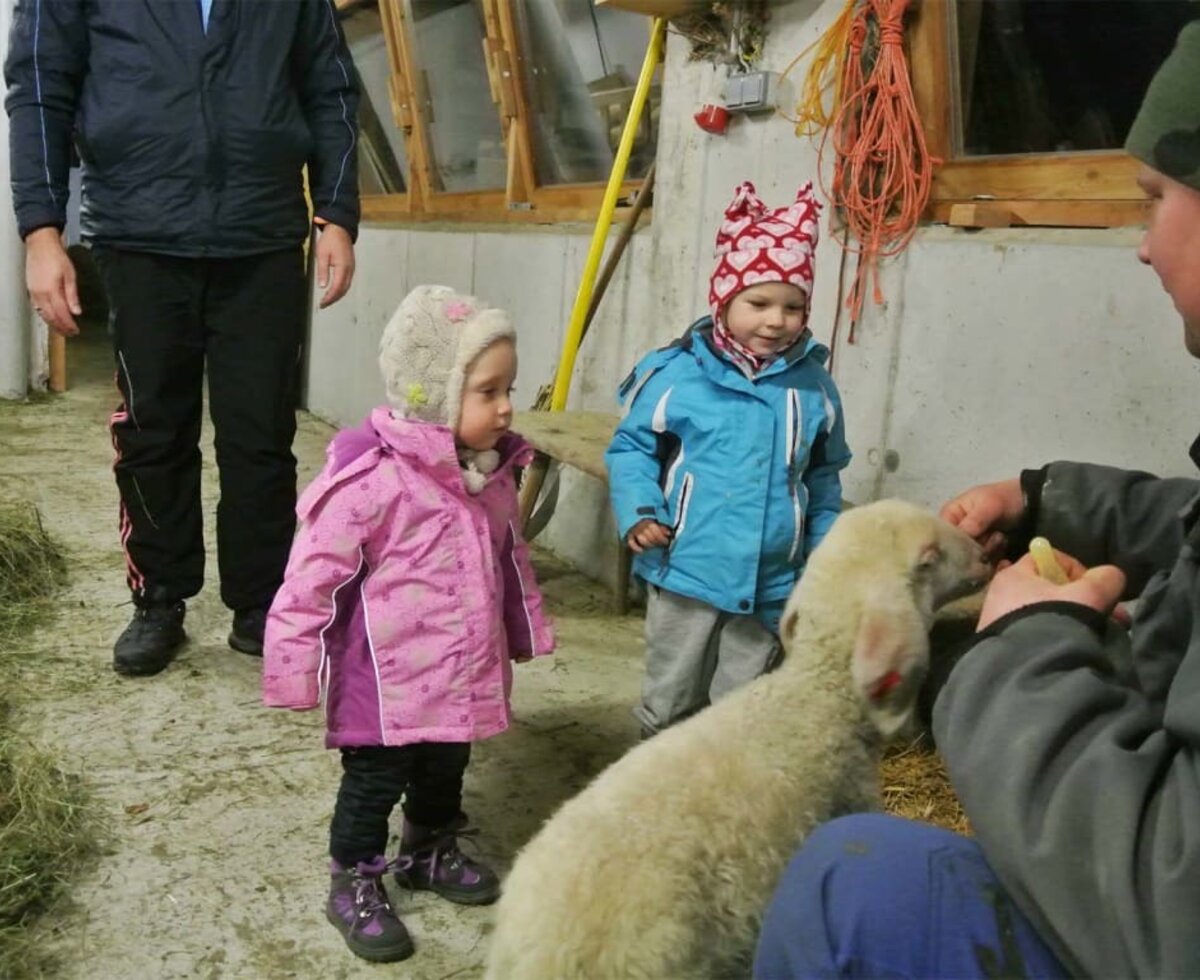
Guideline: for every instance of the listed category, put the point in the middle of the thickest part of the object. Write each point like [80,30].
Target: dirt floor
[219,807]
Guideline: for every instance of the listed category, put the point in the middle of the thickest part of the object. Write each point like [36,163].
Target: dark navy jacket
[192,144]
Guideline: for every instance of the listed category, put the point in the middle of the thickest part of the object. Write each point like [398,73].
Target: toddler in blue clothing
[724,471]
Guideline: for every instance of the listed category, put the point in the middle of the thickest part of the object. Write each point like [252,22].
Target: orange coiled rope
[882,169]
[825,71]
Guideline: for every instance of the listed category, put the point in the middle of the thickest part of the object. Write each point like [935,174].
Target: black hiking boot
[246,636]
[150,641]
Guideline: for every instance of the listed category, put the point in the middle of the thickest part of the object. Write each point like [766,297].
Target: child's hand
[648,534]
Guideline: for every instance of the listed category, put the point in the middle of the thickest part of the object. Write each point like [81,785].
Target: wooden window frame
[1079,190]
[521,200]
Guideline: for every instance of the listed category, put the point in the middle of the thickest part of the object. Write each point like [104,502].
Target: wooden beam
[58,361]
[980,215]
[522,172]
[578,439]
[394,209]
[1053,214]
[422,181]
[933,86]
[1103,176]
[652,8]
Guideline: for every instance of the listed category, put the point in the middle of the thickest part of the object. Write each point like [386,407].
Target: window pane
[464,124]
[580,68]
[382,164]
[1041,76]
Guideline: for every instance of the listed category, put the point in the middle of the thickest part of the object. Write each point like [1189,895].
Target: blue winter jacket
[745,472]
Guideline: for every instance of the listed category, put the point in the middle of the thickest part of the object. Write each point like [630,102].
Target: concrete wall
[993,349]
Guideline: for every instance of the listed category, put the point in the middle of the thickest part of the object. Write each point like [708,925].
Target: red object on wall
[713,119]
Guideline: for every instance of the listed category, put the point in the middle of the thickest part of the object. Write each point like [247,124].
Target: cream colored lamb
[663,865]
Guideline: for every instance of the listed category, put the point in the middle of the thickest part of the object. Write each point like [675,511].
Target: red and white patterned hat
[758,244]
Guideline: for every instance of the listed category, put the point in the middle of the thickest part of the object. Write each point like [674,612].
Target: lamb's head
[890,565]
[939,562]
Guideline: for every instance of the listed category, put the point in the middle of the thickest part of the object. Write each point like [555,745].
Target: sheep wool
[427,346]
[664,864]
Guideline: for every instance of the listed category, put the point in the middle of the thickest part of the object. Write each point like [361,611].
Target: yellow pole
[566,362]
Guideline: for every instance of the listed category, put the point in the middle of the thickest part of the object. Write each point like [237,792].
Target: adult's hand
[985,512]
[1018,585]
[50,279]
[335,263]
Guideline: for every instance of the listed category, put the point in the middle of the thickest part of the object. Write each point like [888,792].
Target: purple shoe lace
[437,859]
[363,912]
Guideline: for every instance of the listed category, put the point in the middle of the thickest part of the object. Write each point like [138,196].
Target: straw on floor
[916,786]
[46,828]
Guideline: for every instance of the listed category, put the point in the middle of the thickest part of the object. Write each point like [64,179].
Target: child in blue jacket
[724,471]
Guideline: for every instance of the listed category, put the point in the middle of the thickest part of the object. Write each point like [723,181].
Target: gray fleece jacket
[1082,780]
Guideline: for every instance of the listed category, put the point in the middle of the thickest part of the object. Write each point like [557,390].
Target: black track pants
[243,320]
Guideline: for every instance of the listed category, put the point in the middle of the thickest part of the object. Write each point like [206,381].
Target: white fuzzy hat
[427,346]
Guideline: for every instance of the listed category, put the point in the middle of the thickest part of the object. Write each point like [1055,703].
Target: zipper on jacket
[672,459]
[795,428]
[681,509]
[672,469]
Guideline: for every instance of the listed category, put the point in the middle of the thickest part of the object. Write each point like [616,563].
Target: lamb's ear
[891,653]
[929,555]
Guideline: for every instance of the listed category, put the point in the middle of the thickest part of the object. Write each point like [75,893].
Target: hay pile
[46,830]
[916,786]
[31,569]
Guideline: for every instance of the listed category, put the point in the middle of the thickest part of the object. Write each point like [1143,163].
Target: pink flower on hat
[457,311]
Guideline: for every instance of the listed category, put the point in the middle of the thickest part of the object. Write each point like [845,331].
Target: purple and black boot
[359,909]
[430,859]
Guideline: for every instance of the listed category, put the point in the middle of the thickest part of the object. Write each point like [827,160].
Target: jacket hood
[698,340]
[432,446]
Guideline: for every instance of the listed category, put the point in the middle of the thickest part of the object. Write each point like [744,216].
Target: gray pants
[696,654]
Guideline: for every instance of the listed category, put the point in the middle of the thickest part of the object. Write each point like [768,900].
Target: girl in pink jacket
[407,596]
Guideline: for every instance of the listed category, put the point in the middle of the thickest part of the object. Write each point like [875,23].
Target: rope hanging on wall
[882,169]
[824,71]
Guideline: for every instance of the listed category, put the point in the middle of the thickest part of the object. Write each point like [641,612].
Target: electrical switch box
[752,91]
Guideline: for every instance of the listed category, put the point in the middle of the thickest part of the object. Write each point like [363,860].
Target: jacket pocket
[686,489]
[795,470]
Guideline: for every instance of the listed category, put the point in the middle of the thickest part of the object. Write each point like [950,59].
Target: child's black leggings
[429,777]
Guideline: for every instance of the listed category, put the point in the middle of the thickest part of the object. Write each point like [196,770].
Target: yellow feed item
[1047,565]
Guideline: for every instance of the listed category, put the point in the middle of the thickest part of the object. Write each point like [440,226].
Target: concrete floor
[219,807]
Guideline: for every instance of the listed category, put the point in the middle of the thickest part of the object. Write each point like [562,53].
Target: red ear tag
[885,685]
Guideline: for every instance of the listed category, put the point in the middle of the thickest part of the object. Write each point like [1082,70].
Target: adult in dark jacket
[1080,773]
[194,121]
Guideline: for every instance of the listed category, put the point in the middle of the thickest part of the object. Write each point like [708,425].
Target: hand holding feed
[1021,584]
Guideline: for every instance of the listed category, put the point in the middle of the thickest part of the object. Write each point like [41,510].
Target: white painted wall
[994,349]
[18,352]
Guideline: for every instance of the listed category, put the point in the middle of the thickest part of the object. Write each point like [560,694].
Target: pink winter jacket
[404,595]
